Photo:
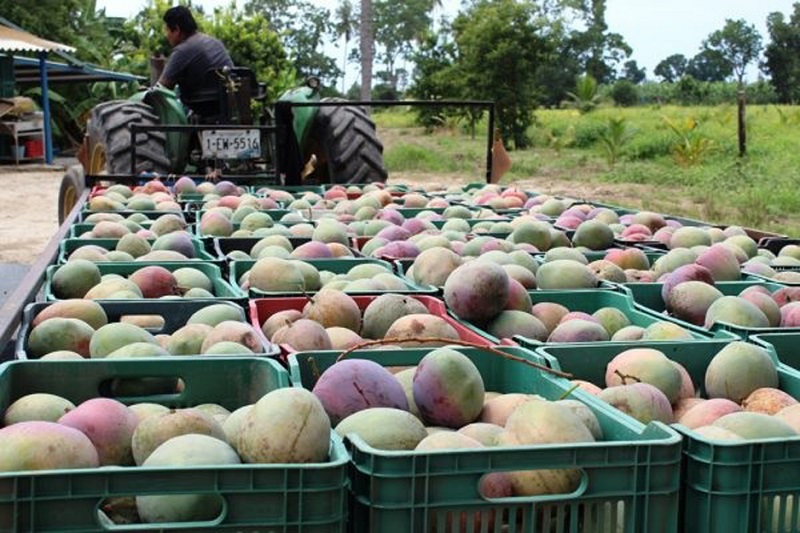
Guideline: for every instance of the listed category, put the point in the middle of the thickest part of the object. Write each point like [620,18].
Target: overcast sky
[653,28]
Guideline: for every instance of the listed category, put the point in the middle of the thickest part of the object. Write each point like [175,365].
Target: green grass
[710,181]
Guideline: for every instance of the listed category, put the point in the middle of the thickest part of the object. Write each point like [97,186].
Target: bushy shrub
[624,93]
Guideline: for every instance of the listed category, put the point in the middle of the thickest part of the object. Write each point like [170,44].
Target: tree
[397,26]
[783,55]
[500,44]
[671,68]
[252,43]
[366,47]
[344,26]
[738,43]
[436,75]
[302,27]
[625,93]
[632,73]
[598,50]
[709,65]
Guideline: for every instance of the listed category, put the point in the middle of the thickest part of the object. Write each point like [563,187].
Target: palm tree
[344,26]
[367,48]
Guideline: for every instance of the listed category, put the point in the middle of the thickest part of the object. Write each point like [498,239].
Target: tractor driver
[193,53]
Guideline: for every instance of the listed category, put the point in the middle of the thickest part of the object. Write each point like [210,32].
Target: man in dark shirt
[193,54]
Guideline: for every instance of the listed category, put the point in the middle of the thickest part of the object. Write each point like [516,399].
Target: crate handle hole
[545,484]
[162,511]
[150,322]
[142,388]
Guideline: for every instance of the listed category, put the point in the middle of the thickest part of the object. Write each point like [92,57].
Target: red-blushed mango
[550,314]
[642,401]
[578,330]
[415,326]
[352,385]
[721,262]
[497,410]
[765,303]
[89,311]
[737,311]
[682,406]
[510,323]
[477,291]
[279,320]
[706,412]
[40,445]
[690,301]
[767,400]
[683,274]
[233,331]
[303,335]
[737,370]
[448,389]
[333,308]
[645,365]
[109,424]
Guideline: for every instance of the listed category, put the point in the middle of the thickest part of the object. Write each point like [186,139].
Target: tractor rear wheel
[110,139]
[349,144]
[72,186]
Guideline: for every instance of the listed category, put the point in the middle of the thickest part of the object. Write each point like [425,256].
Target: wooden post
[742,126]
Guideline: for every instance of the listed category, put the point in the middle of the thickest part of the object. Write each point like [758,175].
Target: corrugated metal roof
[12,40]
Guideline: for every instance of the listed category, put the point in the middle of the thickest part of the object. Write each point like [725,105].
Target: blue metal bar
[48,133]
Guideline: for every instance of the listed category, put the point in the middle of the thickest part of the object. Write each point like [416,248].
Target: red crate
[262,308]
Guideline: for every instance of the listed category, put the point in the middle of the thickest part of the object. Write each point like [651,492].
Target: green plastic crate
[593,255]
[174,314]
[222,289]
[258,497]
[631,480]
[67,246]
[759,277]
[589,301]
[648,298]
[785,345]
[726,487]
[79,228]
[337,266]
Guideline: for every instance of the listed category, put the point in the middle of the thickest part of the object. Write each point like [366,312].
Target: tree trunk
[741,123]
[366,46]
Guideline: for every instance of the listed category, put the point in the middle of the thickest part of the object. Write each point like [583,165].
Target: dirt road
[28,213]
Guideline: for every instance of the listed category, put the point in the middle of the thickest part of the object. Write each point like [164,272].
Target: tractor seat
[209,101]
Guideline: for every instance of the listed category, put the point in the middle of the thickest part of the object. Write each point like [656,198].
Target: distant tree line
[519,53]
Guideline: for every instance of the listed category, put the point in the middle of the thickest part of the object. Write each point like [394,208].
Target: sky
[654,29]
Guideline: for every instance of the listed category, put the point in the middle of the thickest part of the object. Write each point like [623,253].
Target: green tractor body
[290,144]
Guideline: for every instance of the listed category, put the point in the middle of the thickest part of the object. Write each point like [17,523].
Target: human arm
[173,71]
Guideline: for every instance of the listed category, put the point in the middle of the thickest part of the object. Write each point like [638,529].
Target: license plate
[231,144]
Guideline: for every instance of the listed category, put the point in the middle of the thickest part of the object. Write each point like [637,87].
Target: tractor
[301,139]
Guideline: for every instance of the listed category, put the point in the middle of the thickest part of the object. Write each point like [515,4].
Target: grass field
[686,158]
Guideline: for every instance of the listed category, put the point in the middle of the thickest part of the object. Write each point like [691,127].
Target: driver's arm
[176,65]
